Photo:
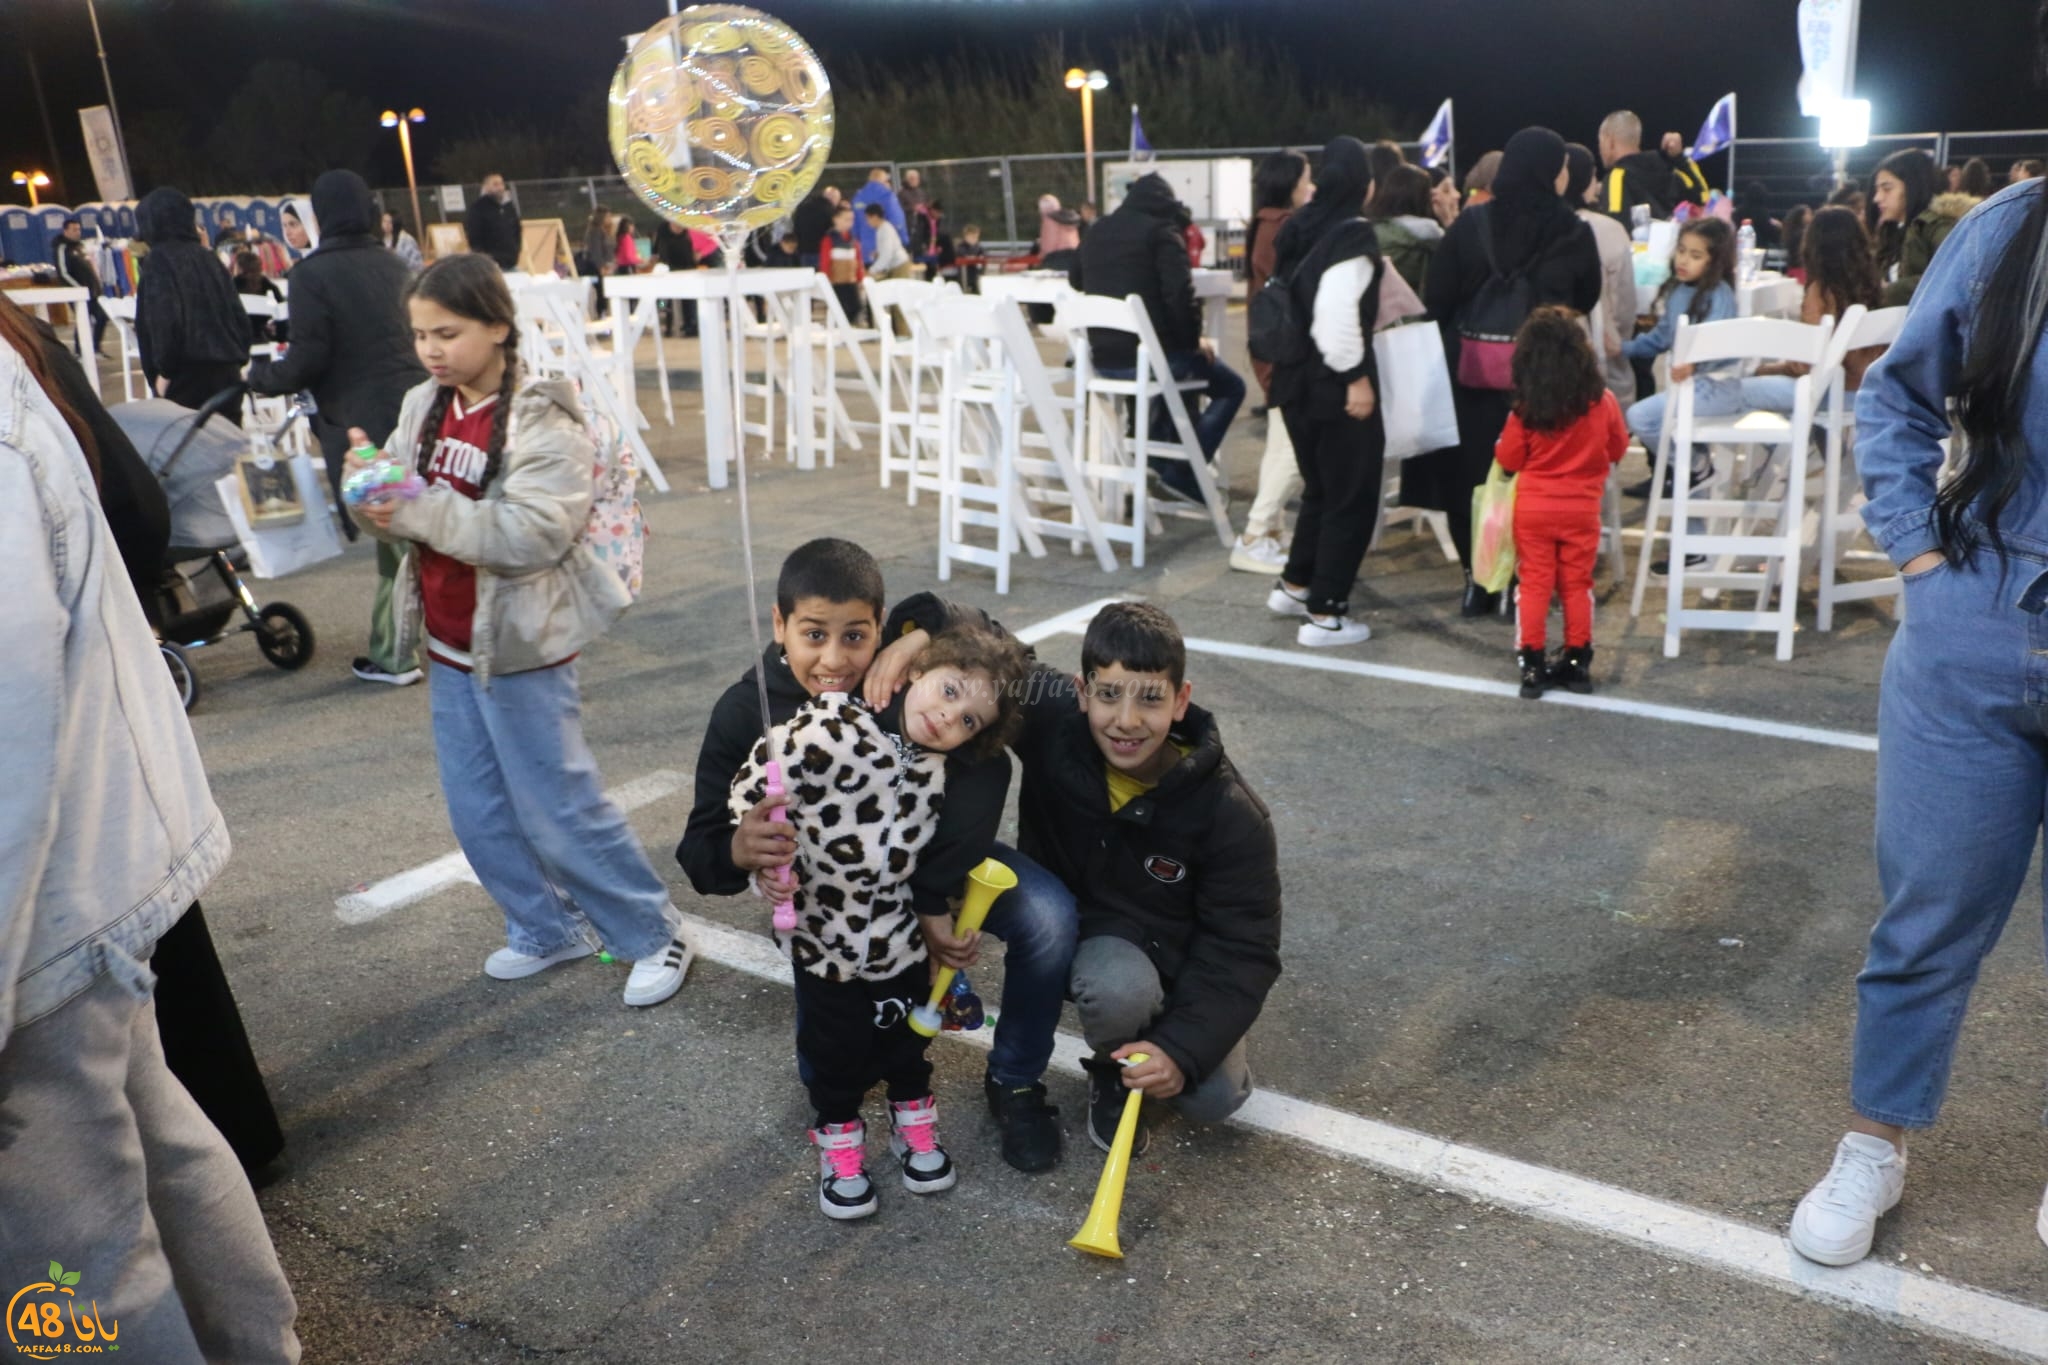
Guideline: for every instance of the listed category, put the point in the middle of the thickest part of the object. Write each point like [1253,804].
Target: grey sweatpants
[1118,993]
[108,1166]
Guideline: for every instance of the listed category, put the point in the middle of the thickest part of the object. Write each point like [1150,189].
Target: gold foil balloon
[721,115]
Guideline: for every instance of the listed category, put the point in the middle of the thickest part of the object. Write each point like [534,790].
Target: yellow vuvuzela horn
[1097,1236]
[988,880]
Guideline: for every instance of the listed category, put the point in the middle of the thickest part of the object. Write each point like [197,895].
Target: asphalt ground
[1606,944]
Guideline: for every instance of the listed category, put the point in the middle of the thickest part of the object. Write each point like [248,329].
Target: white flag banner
[109,167]
[1827,46]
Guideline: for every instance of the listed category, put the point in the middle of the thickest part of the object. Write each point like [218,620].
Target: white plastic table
[710,289]
[75,297]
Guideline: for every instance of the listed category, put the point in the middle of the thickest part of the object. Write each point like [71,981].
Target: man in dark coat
[190,326]
[1139,250]
[352,347]
[492,224]
[75,268]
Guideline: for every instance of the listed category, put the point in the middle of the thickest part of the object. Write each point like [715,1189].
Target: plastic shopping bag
[1415,391]
[1493,530]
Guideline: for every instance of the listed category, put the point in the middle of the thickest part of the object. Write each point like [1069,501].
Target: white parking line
[1075,622]
[452,869]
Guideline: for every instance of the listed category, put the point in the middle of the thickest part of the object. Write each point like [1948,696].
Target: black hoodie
[351,340]
[975,791]
[1139,250]
[1644,178]
[186,311]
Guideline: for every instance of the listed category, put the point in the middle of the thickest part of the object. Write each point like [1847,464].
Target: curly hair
[998,658]
[1836,254]
[1556,375]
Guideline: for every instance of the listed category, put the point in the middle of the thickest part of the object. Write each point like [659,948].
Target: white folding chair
[554,342]
[1114,460]
[121,313]
[1777,495]
[977,482]
[1839,516]
[899,378]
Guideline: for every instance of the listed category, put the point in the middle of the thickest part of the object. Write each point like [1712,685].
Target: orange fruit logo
[43,1319]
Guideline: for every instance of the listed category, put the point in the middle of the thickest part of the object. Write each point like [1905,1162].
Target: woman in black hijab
[1331,256]
[190,325]
[1533,232]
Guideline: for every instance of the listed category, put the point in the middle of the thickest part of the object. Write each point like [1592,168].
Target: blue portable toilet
[264,217]
[50,218]
[218,215]
[96,218]
[124,220]
[21,237]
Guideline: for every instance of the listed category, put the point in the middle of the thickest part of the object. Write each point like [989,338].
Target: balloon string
[732,240]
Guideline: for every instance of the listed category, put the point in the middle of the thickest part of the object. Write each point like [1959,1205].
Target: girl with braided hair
[499,586]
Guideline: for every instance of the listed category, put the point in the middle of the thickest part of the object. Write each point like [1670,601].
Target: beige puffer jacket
[541,596]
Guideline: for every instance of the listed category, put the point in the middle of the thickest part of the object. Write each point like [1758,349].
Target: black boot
[1478,601]
[1575,669]
[1535,672]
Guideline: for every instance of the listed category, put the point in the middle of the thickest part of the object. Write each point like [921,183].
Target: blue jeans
[1962,768]
[1038,924]
[1225,396]
[529,810]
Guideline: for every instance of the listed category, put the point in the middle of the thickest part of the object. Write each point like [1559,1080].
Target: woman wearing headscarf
[1330,402]
[1526,229]
[1617,276]
[190,326]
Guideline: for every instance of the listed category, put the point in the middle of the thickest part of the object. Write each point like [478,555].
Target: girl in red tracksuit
[1565,433]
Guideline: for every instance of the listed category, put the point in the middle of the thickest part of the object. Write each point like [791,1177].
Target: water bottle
[1639,216]
[1746,252]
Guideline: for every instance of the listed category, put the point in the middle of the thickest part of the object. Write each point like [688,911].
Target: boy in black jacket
[1129,801]
[828,629]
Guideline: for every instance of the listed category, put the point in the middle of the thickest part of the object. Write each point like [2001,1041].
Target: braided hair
[471,286]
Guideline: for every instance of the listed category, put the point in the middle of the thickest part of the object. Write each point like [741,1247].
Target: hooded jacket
[1923,237]
[351,340]
[975,790]
[1139,250]
[541,595]
[1188,872]
[1407,243]
[879,193]
[186,311]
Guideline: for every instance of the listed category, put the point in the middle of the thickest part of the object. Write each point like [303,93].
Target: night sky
[1956,66]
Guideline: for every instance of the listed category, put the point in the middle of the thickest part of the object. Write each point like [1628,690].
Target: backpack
[1276,324]
[616,529]
[1487,325]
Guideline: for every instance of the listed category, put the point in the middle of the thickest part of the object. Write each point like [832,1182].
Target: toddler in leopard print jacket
[865,790]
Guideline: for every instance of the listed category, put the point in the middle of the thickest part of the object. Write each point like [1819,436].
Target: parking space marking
[1075,622]
[452,869]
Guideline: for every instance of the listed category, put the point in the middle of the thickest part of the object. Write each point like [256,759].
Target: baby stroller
[201,588]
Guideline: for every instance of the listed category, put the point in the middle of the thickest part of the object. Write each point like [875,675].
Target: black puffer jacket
[975,791]
[186,310]
[351,340]
[492,227]
[1139,250]
[1189,871]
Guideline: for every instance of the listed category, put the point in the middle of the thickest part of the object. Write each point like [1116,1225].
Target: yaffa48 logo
[43,1319]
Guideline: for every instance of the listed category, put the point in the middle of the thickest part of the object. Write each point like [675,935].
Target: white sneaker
[1834,1224]
[655,979]
[1327,632]
[1284,603]
[508,965]
[1264,555]
[2041,1222]
[844,1190]
[926,1167]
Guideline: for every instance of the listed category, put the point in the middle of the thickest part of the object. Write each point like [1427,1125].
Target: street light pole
[33,181]
[403,123]
[1087,82]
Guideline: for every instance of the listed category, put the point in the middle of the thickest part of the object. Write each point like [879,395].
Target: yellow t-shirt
[1124,789]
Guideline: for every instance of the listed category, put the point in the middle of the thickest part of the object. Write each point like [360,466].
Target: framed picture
[270,496]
